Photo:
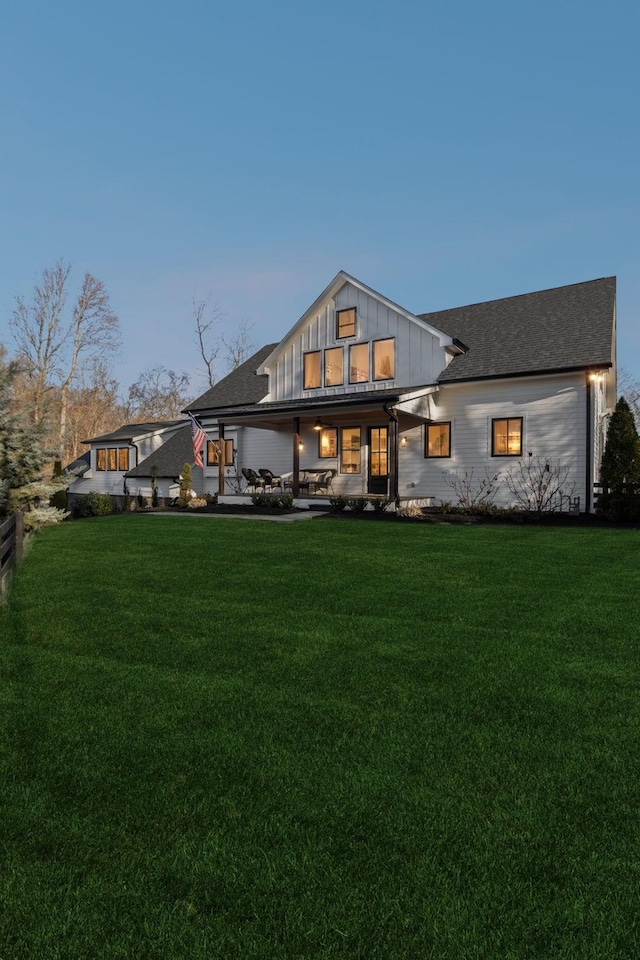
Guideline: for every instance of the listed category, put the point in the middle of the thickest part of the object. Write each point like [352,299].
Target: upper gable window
[333,363]
[346,323]
[359,363]
[384,359]
[312,370]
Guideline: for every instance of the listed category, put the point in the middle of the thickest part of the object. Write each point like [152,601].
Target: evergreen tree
[22,458]
[186,483]
[621,459]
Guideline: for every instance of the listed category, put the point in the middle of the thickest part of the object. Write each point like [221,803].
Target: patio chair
[324,481]
[252,478]
[270,479]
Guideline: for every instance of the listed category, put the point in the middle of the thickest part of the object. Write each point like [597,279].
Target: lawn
[232,739]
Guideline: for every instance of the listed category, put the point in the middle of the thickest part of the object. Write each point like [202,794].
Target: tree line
[66,338]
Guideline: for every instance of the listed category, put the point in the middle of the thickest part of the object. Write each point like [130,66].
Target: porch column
[393,457]
[295,480]
[220,458]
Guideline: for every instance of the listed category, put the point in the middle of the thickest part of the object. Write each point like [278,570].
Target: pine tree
[23,455]
[621,459]
[186,483]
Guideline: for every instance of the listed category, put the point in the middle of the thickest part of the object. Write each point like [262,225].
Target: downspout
[589,450]
[393,416]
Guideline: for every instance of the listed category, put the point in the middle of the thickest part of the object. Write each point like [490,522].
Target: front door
[378,461]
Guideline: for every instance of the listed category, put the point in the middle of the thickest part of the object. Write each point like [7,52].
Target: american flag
[198,436]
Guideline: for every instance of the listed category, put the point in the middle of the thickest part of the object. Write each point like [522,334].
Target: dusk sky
[442,153]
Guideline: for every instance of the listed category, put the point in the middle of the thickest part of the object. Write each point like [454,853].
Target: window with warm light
[359,363]
[212,453]
[346,323]
[112,461]
[312,370]
[333,367]
[384,359]
[328,442]
[506,437]
[438,440]
[101,459]
[123,459]
[350,450]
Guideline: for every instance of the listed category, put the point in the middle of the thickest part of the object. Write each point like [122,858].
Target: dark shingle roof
[559,329]
[80,465]
[168,459]
[131,430]
[239,387]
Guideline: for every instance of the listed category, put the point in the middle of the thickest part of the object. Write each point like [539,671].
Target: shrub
[197,503]
[338,503]
[92,504]
[619,507]
[539,484]
[283,501]
[621,458]
[357,504]
[470,492]
[379,504]
[186,484]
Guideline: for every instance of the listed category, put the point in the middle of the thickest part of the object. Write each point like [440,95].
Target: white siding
[554,426]
[419,357]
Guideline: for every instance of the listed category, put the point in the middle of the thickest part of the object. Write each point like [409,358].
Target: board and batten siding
[419,355]
[554,426]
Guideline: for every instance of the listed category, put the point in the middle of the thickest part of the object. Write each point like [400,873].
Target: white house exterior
[397,404]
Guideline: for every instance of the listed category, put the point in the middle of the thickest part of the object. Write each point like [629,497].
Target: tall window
[506,438]
[123,459]
[359,363]
[111,458]
[328,442]
[333,367]
[383,359]
[312,369]
[438,440]
[101,459]
[350,450]
[212,453]
[346,323]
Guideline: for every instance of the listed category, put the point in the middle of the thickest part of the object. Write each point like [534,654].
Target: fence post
[19,536]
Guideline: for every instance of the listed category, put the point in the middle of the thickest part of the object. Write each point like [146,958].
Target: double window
[438,440]
[506,437]
[113,459]
[212,453]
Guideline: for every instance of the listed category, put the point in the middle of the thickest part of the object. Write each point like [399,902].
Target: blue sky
[443,153]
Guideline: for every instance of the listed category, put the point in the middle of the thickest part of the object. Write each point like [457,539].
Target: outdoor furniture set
[309,482]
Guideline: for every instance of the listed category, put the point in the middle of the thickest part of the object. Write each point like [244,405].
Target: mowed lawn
[238,739]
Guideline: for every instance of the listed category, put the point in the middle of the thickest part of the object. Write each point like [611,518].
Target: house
[399,404]
[113,456]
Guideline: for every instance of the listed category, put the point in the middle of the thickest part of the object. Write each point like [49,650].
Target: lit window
[359,363]
[438,440]
[346,323]
[350,450]
[123,459]
[383,359]
[312,370]
[328,442]
[212,453]
[333,372]
[506,438]
[111,458]
[101,459]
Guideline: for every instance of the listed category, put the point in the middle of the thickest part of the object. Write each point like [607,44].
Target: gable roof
[241,386]
[562,328]
[131,430]
[168,459]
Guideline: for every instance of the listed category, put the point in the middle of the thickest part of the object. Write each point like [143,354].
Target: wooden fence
[11,547]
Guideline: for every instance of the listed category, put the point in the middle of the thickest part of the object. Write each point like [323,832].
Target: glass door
[378,481]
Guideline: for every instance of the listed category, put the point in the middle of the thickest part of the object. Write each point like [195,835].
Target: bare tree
[93,408]
[52,345]
[472,493]
[240,345]
[539,484]
[206,316]
[158,394]
[629,388]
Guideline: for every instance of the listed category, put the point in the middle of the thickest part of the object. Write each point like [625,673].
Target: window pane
[312,364]
[111,458]
[359,363]
[350,449]
[328,443]
[333,373]
[228,452]
[507,437]
[101,459]
[123,458]
[438,440]
[212,453]
[383,359]
[346,322]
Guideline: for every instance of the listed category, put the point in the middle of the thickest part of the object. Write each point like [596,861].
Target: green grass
[226,739]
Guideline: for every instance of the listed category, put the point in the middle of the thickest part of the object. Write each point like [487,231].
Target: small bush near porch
[246,740]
